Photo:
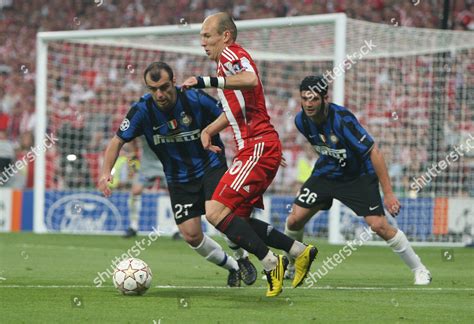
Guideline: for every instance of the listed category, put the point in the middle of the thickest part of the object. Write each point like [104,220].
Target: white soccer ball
[132,277]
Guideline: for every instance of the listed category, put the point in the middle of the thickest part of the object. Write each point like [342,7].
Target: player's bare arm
[241,80]
[110,157]
[390,200]
[212,129]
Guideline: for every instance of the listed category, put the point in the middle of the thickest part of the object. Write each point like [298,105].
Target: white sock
[134,206]
[296,249]
[270,261]
[239,253]
[298,237]
[400,245]
[212,252]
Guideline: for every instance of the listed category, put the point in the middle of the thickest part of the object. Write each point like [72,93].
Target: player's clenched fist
[189,83]
[103,185]
[392,204]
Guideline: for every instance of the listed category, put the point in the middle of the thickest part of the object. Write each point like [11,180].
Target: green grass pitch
[49,278]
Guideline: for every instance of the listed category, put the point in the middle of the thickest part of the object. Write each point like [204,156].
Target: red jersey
[245,109]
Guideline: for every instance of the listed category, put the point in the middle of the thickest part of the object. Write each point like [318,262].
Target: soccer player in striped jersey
[350,168]
[171,121]
[258,157]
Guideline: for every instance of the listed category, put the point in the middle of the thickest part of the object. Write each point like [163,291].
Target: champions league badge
[186,120]
[333,138]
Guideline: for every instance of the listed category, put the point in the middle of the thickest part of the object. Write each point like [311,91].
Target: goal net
[411,88]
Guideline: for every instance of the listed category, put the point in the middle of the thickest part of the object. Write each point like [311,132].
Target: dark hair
[315,83]
[226,23]
[155,71]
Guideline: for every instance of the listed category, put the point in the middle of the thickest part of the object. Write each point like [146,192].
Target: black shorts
[188,199]
[362,194]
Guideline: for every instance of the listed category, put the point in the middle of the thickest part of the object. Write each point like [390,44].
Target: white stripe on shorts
[249,165]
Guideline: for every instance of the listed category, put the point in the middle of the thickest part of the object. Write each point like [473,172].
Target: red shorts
[241,188]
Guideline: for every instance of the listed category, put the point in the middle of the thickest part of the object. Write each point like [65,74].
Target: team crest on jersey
[323,138]
[172,124]
[333,138]
[186,120]
[124,125]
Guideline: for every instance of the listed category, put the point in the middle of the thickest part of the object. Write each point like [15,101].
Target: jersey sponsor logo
[340,154]
[177,138]
[125,125]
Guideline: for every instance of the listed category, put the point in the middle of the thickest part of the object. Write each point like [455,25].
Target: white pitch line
[68,247]
[259,288]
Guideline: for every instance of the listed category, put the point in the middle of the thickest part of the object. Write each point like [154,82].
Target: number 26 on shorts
[307,197]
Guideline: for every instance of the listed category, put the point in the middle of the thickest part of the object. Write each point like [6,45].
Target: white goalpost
[409,87]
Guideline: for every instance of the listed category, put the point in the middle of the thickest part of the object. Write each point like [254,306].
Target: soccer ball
[132,277]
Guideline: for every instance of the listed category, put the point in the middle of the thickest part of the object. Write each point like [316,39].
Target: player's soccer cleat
[130,232]
[275,277]
[290,271]
[422,277]
[248,272]
[303,263]
[233,279]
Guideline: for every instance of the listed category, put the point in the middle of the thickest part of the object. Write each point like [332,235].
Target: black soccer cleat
[233,280]
[130,232]
[248,272]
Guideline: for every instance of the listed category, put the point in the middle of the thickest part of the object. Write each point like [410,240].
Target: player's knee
[294,224]
[380,227]
[215,213]
[212,217]
[192,238]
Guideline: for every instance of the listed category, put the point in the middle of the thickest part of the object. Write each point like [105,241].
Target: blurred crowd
[84,109]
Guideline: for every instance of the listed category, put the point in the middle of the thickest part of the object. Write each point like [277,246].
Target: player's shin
[213,252]
[242,234]
[239,253]
[134,205]
[276,239]
[400,245]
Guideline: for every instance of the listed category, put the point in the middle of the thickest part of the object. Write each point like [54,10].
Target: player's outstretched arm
[111,155]
[239,81]
[212,129]
[390,200]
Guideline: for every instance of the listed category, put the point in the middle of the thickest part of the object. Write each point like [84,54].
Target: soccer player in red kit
[258,154]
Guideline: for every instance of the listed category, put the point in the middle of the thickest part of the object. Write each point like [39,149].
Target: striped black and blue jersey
[175,136]
[342,143]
